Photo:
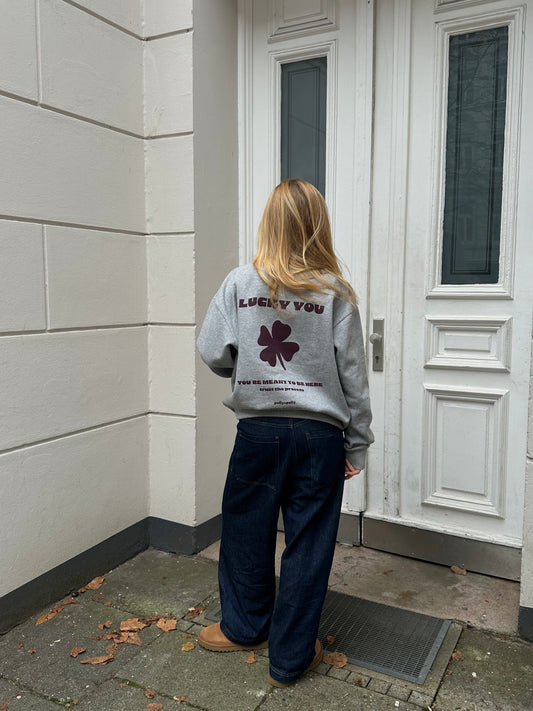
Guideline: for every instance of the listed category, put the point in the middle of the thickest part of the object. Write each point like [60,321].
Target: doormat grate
[400,643]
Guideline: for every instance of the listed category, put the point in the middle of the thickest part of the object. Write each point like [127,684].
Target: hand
[349,471]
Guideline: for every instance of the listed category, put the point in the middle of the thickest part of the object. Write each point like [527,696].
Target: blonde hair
[295,248]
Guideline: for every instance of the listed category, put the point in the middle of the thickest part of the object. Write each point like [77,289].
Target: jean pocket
[326,457]
[255,460]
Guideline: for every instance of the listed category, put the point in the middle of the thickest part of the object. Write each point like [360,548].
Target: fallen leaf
[93,585]
[330,639]
[187,646]
[457,655]
[105,625]
[450,671]
[336,659]
[149,693]
[97,596]
[133,638]
[31,651]
[103,659]
[107,604]
[193,611]
[76,650]
[111,648]
[360,681]
[154,706]
[179,699]
[186,635]
[132,624]
[250,659]
[167,625]
[55,610]
[457,570]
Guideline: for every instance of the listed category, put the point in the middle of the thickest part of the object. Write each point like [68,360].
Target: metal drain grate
[386,639]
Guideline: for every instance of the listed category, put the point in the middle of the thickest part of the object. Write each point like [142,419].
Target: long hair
[295,249]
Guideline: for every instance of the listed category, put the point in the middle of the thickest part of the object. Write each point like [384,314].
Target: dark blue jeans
[296,465]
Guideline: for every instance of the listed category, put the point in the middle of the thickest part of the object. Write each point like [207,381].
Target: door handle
[376,339]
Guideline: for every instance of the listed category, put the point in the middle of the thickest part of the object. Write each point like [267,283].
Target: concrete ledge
[164,535]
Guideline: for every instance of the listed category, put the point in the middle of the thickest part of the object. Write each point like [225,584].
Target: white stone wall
[191,206]
[73,307]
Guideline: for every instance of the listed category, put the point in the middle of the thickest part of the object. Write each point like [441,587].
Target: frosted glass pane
[303,121]
[474,157]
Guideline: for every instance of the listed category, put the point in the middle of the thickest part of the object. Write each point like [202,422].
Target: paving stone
[340,674]
[504,675]
[316,692]
[379,685]
[157,582]
[420,699]
[211,680]
[53,640]
[121,696]
[322,668]
[22,699]
[399,692]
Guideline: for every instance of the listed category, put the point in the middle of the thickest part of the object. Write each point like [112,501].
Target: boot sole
[232,648]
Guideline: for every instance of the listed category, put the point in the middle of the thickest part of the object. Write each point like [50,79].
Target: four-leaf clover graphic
[276,344]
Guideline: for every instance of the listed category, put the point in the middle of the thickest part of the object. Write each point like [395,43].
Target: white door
[411,222]
[276,38]
[450,271]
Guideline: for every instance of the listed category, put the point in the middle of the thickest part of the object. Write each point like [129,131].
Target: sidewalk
[157,670]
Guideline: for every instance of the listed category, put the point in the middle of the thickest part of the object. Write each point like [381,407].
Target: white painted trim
[514,19]
[306,24]
[492,502]
[499,328]
[245,129]
[399,142]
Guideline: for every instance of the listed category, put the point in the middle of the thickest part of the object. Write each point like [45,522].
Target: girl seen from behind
[287,331]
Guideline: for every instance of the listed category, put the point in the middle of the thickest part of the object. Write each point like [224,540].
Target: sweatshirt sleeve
[217,343]
[350,357]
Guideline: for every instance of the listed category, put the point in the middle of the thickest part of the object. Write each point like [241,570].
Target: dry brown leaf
[336,659]
[149,693]
[187,635]
[76,650]
[179,699]
[102,659]
[187,646]
[457,570]
[97,596]
[167,625]
[250,659]
[330,639]
[133,624]
[111,648]
[108,604]
[105,625]
[31,651]
[133,638]
[359,681]
[458,656]
[154,706]
[94,584]
[193,611]
[54,611]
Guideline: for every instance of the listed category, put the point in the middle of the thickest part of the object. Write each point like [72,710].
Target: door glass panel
[474,157]
[303,121]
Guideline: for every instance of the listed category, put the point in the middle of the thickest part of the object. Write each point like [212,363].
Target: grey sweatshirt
[305,360]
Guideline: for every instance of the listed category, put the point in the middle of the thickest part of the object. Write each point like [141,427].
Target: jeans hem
[251,643]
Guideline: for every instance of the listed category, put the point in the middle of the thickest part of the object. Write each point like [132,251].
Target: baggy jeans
[296,465]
